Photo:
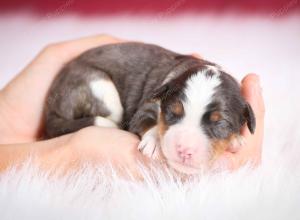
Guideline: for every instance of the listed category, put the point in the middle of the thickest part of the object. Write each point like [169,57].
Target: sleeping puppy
[185,109]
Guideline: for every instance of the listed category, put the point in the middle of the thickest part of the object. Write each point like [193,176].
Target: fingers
[70,49]
[196,55]
[55,55]
[51,59]
[252,92]
[108,145]
[251,151]
[27,91]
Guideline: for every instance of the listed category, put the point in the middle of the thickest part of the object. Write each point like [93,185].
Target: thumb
[252,92]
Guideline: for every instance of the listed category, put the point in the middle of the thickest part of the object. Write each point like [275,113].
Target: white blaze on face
[199,91]
[184,144]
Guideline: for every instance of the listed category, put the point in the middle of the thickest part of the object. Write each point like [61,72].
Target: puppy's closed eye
[215,116]
[173,111]
[177,108]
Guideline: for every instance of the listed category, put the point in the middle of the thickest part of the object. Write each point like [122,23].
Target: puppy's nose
[185,153]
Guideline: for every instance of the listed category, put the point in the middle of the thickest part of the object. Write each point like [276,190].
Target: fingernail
[251,77]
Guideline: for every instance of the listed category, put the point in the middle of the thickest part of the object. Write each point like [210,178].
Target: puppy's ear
[163,92]
[250,118]
[160,93]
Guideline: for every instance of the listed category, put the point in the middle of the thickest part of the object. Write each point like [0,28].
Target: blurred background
[96,7]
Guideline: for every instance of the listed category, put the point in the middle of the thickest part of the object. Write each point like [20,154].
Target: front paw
[149,144]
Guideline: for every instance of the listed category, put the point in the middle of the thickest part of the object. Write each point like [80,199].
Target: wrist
[52,155]
[12,130]
[56,155]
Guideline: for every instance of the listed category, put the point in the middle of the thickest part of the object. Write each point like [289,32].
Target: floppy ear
[160,93]
[164,92]
[250,118]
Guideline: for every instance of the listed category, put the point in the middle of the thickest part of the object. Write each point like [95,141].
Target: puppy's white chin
[186,169]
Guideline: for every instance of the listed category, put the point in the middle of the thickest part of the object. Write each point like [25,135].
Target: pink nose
[185,153]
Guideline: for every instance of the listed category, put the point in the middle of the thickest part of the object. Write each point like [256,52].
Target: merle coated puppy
[182,107]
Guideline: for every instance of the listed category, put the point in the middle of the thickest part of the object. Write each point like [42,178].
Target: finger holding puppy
[251,150]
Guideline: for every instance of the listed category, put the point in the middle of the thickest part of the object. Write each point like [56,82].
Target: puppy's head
[202,112]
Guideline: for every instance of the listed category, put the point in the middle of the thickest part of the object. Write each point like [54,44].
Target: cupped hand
[251,150]
[22,100]
[21,112]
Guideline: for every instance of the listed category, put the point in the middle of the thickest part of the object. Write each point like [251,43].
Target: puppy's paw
[149,144]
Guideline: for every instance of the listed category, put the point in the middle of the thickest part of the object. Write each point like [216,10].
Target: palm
[22,100]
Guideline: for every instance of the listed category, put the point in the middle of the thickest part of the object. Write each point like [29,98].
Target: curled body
[183,108]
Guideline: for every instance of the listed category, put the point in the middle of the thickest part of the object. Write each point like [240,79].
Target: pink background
[99,7]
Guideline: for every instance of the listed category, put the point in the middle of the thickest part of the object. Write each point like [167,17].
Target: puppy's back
[132,71]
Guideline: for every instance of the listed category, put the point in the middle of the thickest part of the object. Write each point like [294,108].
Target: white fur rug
[265,45]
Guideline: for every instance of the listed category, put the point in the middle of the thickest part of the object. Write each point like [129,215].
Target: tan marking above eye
[221,145]
[177,108]
[162,126]
[215,116]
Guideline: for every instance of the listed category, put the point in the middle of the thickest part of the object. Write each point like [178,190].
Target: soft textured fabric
[268,46]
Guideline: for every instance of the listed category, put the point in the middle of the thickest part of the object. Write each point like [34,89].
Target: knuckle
[52,48]
[108,38]
[105,36]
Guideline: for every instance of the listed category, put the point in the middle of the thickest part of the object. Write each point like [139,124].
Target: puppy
[185,109]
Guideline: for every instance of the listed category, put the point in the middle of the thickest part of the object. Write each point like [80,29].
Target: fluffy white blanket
[268,46]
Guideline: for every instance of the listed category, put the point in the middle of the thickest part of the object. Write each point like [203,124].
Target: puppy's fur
[177,103]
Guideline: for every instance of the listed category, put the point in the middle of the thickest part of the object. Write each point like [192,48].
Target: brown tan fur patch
[145,129]
[220,146]
[177,108]
[215,116]
[162,126]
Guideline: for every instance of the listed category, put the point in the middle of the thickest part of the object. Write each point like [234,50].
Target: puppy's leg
[105,92]
[57,126]
[150,144]
[144,123]
[76,102]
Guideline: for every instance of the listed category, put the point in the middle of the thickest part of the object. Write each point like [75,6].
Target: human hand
[250,152]
[22,100]
[21,112]
[95,146]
